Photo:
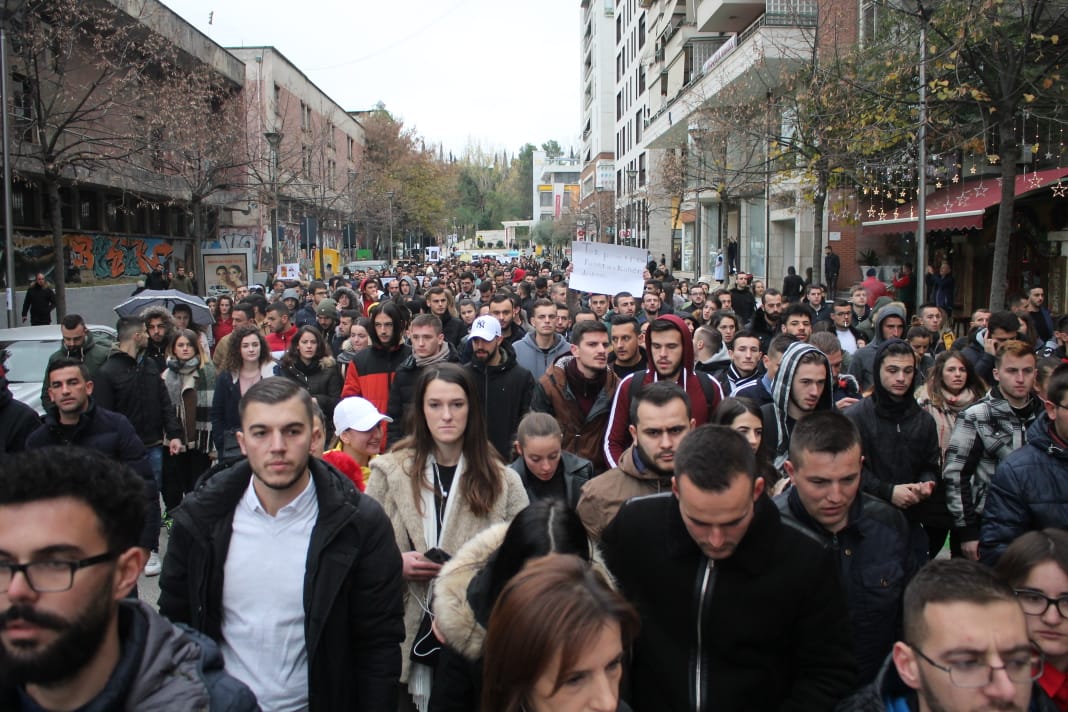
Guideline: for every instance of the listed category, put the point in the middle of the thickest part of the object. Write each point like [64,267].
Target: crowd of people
[474,487]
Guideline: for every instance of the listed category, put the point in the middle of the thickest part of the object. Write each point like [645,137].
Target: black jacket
[1029,491]
[109,433]
[577,471]
[401,392]
[760,326]
[17,421]
[765,629]
[353,605]
[135,388]
[875,562]
[453,328]
[39,302]
[743,302]
[506,391]
[322,379]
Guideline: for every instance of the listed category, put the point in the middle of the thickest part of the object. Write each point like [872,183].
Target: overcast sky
[501,73]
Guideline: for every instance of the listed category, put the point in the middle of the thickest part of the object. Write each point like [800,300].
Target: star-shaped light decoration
[1060,190]
[962,199]
[973,170]
[882,215]
[980,190]
[1035,181]
[871,212]
[993,158]
[1048,155]
[948,204]
[956,177]
[938,183]
[896,213]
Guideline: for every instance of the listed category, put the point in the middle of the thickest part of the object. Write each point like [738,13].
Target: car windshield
[26,359]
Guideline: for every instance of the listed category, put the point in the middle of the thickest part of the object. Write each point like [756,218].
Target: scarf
[441,356]
[182,376]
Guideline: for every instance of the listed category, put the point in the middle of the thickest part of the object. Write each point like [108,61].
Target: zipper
[705,582]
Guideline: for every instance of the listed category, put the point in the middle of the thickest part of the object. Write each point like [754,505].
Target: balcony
[727,15]
[754,60]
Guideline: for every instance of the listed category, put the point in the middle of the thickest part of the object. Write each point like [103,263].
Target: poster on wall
[224,270]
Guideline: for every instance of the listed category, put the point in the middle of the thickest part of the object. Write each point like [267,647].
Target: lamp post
[392,256]
[274,139]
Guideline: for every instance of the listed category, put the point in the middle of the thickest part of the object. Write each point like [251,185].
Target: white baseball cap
[486,328]
[355,413]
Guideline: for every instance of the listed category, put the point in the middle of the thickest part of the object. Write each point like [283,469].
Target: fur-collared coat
[390,485]
[457,595]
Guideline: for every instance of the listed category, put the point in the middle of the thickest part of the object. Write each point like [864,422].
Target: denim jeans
[155,516]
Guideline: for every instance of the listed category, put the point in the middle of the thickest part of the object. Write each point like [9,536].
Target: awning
[957,207]
[688,216]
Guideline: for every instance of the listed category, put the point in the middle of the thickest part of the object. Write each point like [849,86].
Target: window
[545,199]
[277,100]
[88,210]
[305,117]
[305,160]
[352,147]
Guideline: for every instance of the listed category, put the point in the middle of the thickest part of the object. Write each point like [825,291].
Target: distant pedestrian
[39,302]
[832,266]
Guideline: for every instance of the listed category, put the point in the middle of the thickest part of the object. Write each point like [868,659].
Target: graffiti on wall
[243,238]
[94,257]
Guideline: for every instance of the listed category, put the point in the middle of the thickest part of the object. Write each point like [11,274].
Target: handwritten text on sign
[607,269]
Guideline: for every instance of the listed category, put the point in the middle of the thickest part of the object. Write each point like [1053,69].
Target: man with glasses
[1028,491]
[965,647]
[69,638]
[306,316]
[842,318]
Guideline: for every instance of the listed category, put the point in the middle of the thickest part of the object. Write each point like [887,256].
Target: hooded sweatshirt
[862,365]
[536,359]
[704,393]
[900,444]
[776,416]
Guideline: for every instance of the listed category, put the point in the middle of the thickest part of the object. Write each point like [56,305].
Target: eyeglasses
[1021,667]
[1062,407]
[1036,603]
[49,576]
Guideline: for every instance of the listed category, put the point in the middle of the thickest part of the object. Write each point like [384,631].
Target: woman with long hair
[247,363]
[190,380]
[468,586]
[727,324]
[224,318]
[557,640]
[952,385]
[182,316]
[743,415]
[440,486]
[308,361]
[1036,566]
[547,470]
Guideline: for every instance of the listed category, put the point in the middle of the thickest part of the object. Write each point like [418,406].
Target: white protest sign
[601,268]
[289,270]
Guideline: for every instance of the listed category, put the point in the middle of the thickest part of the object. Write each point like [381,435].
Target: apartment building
[555,187]
[598,178]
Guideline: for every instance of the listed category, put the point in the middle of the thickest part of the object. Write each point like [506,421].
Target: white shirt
[847,340]
[263,599]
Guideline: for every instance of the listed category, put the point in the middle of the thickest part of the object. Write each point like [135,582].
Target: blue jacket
[1029,491]
[875,562]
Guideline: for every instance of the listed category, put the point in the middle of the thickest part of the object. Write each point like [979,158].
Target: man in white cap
[359,429]
[506,388]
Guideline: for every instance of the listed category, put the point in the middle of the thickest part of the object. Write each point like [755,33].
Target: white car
[26,350]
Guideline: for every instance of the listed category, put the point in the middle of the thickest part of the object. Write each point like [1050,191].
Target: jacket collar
[754,553]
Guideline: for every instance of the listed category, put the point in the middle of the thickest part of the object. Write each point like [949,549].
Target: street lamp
[274,139]
[389,196]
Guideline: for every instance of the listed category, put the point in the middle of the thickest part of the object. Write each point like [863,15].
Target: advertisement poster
[224,270]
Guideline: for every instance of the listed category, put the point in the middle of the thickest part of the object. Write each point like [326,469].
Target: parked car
[24,351]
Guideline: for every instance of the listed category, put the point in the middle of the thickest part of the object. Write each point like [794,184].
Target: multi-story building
[598,180]
[718,53]
[306,150]
[555,187]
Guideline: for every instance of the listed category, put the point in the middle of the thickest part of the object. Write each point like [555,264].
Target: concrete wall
[96,304]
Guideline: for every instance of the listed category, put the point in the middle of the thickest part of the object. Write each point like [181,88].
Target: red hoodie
[703,390]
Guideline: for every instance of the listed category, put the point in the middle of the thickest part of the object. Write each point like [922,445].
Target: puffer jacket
[577,471]
[605,494]
[162,667]
[109,433]
[93,353]
[1029,491]
[583,435]
[506,390]
[985,434]
[536,359]
[390,484]
[875,562]
[322,379]
[370,373]
[462,608]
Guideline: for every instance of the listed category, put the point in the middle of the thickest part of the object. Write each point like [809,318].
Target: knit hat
[328,308]
[290,294]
